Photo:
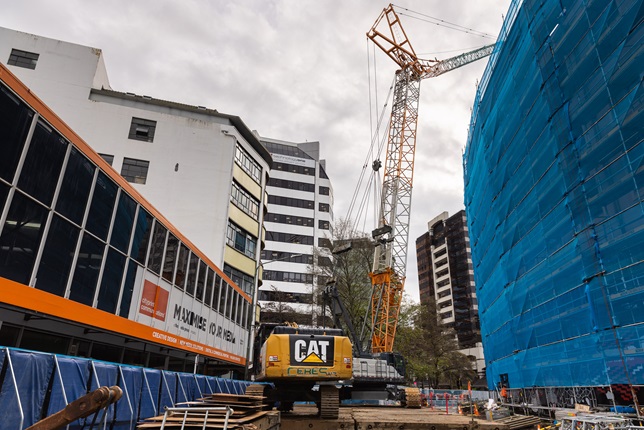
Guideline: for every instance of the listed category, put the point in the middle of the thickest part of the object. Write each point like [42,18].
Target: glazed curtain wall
[554,179]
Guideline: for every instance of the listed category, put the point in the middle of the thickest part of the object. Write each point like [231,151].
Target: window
[108,158]
[15,118]
[24,59]
[289,219]
[291,185]
[292,202]
[142,129]
[56,261]
[135,171]
[324,207]
[325,191]
[286,256]
[275,275]
[303,170]
[324,225]
[247,164]
[77,182]
[243,281]
[244,201]
[239,239]
[289,238]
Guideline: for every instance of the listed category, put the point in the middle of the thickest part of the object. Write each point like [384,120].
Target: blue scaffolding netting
[554,180]
[35,385]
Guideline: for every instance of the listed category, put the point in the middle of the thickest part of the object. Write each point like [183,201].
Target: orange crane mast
[392,234]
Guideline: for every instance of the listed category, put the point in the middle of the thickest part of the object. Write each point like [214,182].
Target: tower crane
[392,233]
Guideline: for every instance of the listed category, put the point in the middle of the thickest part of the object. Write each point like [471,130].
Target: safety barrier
[34,385]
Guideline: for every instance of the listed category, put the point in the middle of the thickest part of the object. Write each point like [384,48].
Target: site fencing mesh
[554,182]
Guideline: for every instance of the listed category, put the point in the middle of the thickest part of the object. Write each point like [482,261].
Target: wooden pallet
[247,414]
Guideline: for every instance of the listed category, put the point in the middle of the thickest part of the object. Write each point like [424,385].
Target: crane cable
[442,23]
[359,206]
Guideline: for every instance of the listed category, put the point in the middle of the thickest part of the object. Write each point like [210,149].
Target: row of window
[238,238]
[276,275]
[286,256]
[295,168]
[285,297]
[244,201]
[289,238]
[72,231]
[289,219]
[248,164]
[291,185]
[292,202]
[244,281]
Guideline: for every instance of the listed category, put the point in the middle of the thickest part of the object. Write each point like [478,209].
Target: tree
[431,349]
[350,272]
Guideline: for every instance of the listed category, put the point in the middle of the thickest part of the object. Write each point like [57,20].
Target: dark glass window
[156,248]
[294,168]
[209,280]
[225,288]
[122,229]
[325,191]
[77,183]
[4,192]
[244,281]
[182,267]
[142,129]
[292,185]
[135,171]
[106,352]
[324,225]
[15,119]
[39,175]
[45,342]
[108,294]
[324,207]
[289,219]
[128,288]
[201,280]
[24,59]
[289,238]
[170,257]
[192,274]
[9,335]
[57,258]
[20,239]
[88,266]
[216,292]
[100,212]
[141,236]
[230,300]
[290,201]
[109,159]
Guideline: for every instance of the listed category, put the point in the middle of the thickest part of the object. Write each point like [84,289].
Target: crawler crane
[392,234]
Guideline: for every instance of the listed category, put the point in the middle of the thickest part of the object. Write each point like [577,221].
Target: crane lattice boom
[392,234]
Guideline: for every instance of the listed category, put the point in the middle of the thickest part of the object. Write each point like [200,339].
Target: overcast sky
[295,70]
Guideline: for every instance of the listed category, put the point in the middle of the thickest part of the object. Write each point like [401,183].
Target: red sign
[154,301]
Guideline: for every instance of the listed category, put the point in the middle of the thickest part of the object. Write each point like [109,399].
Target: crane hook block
[376,165]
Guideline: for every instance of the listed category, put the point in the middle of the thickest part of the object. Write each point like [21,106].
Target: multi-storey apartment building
[445,274]
[300,218]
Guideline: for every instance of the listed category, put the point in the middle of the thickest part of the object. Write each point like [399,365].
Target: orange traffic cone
[476,410]
[460,410]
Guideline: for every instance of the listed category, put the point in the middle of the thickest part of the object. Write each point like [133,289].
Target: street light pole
[253,324]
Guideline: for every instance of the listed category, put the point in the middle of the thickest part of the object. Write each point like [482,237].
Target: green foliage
[431,349]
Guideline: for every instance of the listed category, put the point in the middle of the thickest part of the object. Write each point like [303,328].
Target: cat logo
[311,350]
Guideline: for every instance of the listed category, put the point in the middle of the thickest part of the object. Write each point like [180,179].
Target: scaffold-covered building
[554,180]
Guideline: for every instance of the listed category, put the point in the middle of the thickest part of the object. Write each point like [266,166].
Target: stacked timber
[520,421]
[216,411]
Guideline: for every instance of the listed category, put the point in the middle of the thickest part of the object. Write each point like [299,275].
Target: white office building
[299,219]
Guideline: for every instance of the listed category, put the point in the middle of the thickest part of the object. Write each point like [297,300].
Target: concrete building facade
[299,218]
